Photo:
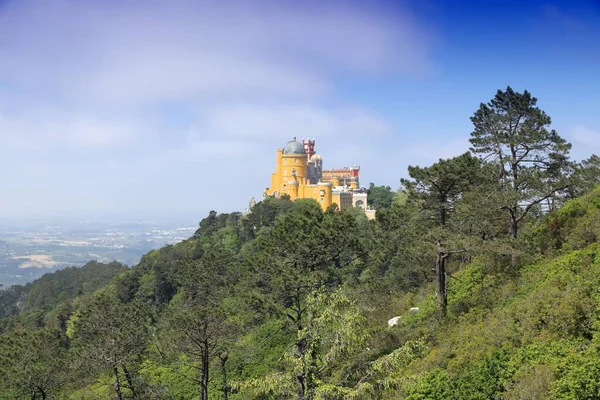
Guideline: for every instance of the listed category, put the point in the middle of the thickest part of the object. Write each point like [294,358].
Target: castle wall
[343,199]
[293,168]
[321,193]
[276,176]
[302,176]
[359,199]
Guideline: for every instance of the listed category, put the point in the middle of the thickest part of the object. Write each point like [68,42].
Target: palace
[299,174]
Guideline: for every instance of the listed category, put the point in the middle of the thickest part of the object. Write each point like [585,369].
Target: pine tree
[532,160]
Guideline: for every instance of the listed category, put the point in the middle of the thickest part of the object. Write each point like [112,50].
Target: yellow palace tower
[299,174]
[291,176]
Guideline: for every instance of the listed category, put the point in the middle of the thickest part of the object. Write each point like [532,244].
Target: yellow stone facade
[298,174]
[290,177]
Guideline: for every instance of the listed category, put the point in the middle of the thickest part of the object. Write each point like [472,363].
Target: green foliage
[71,282]
[573,226]
[432,385]
[259,352]
[586,177]
[532,162]
[333,333]
[109,335]
[163,266]
[190,336]
[380,197]
[305,250]
[170,381]
[264,214]
[531,383]
[59,286]
[396,262]
[215,222]
[579,377]
[441,185]
[33,363]
[11,299]
[484,379]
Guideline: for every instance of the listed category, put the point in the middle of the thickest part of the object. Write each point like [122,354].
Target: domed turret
[294,147]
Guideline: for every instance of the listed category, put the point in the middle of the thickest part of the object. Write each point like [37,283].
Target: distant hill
[53,288]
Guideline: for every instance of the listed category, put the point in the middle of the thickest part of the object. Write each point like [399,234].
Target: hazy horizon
[105,219]
[170,109]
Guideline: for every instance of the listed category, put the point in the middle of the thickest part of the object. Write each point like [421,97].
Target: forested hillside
[55,288]
[489,260]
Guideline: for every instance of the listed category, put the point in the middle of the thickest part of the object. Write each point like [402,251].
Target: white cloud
[255,121]
[88,92]
[45,129]
[137,52]
[586,136]
[585,141]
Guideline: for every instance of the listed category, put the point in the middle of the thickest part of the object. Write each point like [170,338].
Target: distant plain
[27,251]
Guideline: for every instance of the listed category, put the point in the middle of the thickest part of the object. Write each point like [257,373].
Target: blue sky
[157,109]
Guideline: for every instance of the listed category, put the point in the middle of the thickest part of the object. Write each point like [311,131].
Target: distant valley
[27,251]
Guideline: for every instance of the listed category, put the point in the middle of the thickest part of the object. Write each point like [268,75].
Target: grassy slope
[534,336]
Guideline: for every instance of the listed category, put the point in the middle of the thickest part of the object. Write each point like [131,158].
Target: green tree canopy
[109,336]
[34,364]
[380,197]
[441,185]
[532,160]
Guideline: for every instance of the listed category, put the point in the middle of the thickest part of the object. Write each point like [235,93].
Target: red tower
[309,147]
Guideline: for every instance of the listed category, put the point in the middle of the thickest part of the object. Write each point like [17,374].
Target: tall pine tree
[532,160]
